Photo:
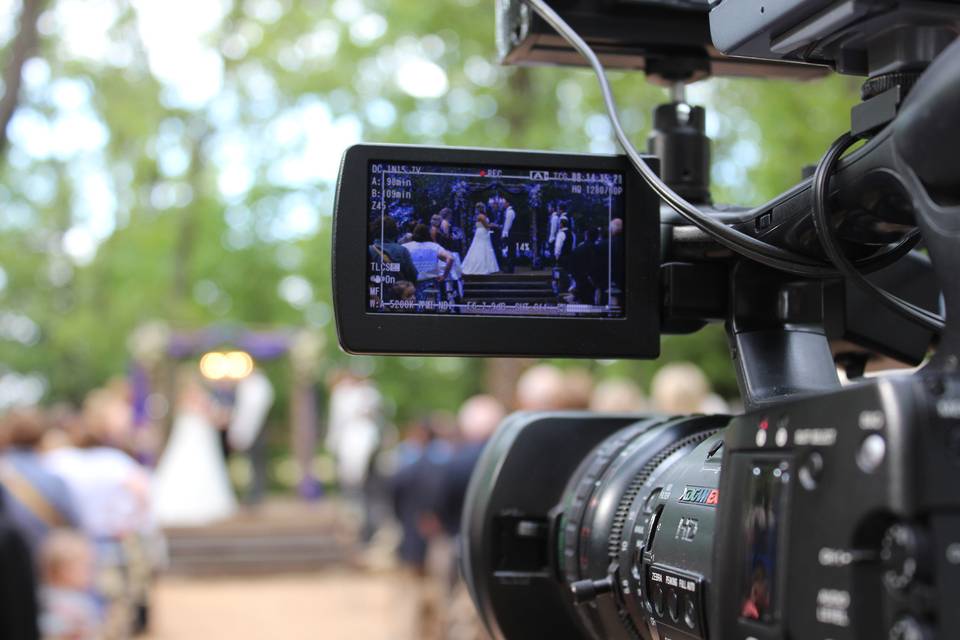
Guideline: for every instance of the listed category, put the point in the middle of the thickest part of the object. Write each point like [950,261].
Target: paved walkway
[335,604]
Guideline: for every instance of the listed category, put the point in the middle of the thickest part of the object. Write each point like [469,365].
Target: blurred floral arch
[157,350]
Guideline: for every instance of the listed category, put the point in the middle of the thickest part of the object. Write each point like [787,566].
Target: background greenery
[217,209]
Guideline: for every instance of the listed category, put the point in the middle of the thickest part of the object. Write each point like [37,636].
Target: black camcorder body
[826,517]
[827,510]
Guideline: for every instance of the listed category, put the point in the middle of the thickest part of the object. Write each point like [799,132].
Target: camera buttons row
[674,598]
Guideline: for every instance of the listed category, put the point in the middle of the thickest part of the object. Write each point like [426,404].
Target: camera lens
[633,514]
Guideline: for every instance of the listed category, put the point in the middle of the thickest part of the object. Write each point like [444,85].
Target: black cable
[831,246]
[741,243]
[891,254]
[734,240]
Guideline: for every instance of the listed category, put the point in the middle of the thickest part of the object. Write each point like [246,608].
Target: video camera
[824,511]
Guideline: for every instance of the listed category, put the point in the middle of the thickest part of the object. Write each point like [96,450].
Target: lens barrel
[624,524]
[581,525]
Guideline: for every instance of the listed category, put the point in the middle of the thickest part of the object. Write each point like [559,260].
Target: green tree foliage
[200,190]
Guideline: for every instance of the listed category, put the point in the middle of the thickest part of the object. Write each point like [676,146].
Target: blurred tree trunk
[23,45]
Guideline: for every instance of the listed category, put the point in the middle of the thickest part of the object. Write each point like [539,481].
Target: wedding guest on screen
[565,216]
[553,222]
[446,221]
[427,257]
[562,250]
[617,248]
[405,234]
[390,250]
[508,234]
[437,234]
[582,262]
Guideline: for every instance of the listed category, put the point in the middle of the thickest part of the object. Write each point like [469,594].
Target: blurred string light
[17,327]
[226,365]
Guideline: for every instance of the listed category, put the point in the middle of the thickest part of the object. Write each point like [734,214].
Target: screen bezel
[360,331]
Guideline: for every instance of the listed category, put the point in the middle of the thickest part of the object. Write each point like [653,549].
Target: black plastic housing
[657,515]
[635,335]
[668,39]
[858,37]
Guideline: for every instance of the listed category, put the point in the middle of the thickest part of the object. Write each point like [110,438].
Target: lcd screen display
[763,524]
[495,240]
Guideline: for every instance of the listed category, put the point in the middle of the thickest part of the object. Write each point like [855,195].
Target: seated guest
[386,250]
[18,605]
[68,609]
[406,234]
[404,290]
[38,500]
[427,256]
[112,494]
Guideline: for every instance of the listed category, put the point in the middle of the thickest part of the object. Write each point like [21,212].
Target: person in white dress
[481,258]
[191,485]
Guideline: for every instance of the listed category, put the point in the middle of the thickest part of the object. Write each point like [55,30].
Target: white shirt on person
[354,433]
[106,486]
[508,217]
[554,226]
[426,258]
[558,243]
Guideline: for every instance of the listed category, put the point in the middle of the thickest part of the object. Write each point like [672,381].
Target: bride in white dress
[191,485]
[481,258]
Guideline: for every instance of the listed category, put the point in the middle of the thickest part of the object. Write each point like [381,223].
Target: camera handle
[774,321]
[775,329]
[925,140]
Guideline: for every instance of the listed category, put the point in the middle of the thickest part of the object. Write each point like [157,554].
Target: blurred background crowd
[178,427]
[88,514]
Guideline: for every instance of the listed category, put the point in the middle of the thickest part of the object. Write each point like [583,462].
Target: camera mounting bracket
[775,328]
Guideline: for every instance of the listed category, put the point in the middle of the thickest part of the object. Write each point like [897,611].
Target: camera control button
[673,605]
[909,628]
[588,590]
[810,471]
[689,612]
[873,450]
[656,598]
[905,555]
